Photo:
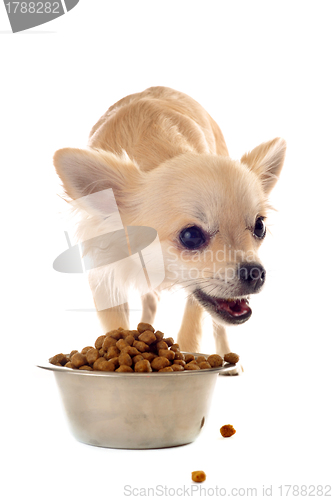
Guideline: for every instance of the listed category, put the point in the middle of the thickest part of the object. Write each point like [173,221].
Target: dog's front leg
[105,293]
[149,306]
[190,332]
[114,317]
[221,339]
[222,346]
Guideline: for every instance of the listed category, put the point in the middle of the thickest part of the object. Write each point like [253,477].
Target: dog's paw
[236,370]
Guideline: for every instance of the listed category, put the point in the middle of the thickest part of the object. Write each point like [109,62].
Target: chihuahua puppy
[167,163]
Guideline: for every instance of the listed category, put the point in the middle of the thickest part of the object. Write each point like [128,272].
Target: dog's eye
[192,237]
[259,229]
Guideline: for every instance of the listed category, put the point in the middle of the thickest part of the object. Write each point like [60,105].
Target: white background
[261,69]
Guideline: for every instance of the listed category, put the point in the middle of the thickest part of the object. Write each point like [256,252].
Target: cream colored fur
[167,162]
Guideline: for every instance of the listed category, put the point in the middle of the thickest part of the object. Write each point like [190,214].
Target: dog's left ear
[266,161]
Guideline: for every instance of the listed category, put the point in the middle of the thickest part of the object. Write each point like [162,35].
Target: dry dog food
[231,357]
[227,430]
[141,350]
[198,476]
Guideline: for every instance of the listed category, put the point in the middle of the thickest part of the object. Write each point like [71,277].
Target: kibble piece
[59,358]
[137,358]
[179,355]
[108,342]
[124,333]
[200,359]
[169,341]
[231,357]
[189,357]
[141,346]
[147,336]
[161,345]
[99,341]
[103,365]
[109,333]
[85,367]
[115,361]
[177,368]
[121,344]
[191,366]
[175,347]
[180,362]
[86,349]
[72,353]
[115,334]
[198,476]
[142,327]
[159,362]
[227,430]
[101,352]
[215,360]
[66,360]
[166,369]
[143,366]
[165,353]
[134,333]
[204,365]
[100,364]
[124,368]
[149,356]
[113,352]
[125,359]
[129,339]
[92,355]
[159,335]
[132,351]
[110,366]
[78,360]
[69,365]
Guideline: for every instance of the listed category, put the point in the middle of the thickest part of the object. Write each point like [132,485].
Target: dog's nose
[252,276]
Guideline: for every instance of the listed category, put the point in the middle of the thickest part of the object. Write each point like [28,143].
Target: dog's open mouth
[232,310]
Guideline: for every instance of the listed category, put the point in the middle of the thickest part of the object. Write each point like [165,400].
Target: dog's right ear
[84,172]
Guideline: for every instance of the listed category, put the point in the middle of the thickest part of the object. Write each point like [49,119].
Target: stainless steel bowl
[136,410]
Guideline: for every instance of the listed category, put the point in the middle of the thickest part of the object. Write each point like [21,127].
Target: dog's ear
[266,161]
[84,172]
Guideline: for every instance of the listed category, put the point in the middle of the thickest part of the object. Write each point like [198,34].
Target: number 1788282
[33,7]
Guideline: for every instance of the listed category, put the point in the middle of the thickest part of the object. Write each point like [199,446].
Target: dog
[167,164]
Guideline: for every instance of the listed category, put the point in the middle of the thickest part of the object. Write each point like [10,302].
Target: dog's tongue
[235,308]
